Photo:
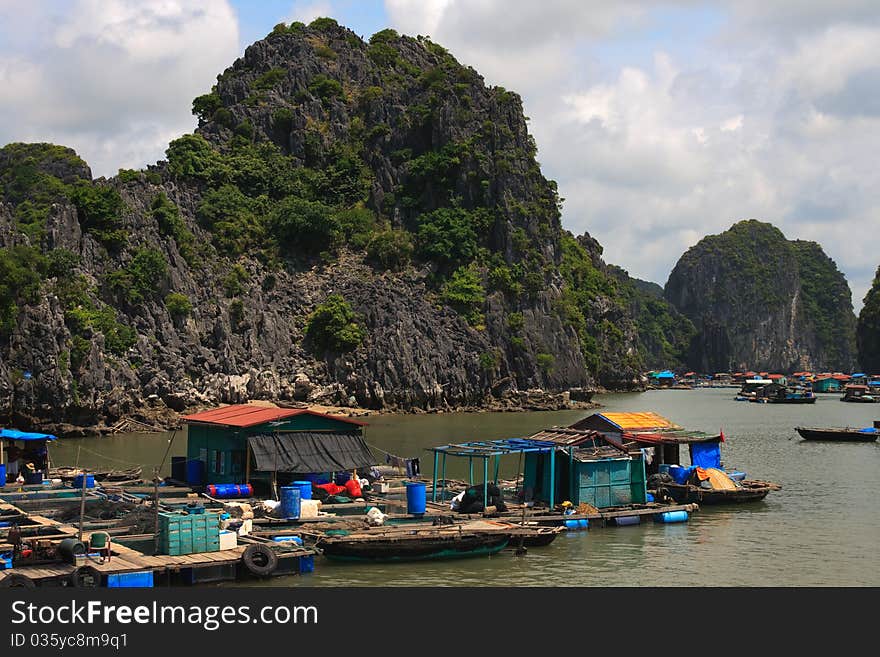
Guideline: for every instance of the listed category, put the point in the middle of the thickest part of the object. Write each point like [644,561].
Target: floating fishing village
[265,491]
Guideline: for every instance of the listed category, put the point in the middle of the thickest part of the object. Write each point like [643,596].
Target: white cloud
[113,79]
[777,118]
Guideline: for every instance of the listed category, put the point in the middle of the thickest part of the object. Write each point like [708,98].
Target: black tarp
[304,452]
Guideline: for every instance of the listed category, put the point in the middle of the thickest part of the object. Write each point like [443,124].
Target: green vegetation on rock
[333,326]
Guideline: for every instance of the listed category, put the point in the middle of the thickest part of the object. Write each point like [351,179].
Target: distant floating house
[253,444]
[827,384]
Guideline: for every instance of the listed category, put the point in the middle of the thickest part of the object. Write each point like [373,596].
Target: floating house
[585,467]
[558,464]
[827,384]
[660,438]
[254,444]
[24,453]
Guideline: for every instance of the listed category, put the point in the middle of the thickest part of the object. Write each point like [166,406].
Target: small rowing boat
[848,434]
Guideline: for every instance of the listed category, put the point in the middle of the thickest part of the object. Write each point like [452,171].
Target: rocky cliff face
[352,223]
[868,333]
[759,301]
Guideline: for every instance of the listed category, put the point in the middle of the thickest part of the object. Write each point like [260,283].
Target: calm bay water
[821,529]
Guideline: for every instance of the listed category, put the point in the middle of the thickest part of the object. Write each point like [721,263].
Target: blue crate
[140,580]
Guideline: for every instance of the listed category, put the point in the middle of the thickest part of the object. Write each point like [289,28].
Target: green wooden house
[246,443]
[586,468]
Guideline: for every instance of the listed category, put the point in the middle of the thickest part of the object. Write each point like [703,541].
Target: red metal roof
[249,415]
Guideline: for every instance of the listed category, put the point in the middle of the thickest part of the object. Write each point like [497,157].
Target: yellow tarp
[631,421]
[718,478]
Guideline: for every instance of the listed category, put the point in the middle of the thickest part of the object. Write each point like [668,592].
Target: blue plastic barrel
[2,474]
[583,523]
[622,521]
[230,490]
[178,468]
[342,477]
[305,489]
[195,472]
[78,481]
[571,524]
[415,497]
[649,497]
[290,502]
[673,516]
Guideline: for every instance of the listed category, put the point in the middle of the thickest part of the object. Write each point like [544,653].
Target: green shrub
[245,129]
[325,88]
[282,120]
[390,249]
[296,222]
[167,216]
[236,314]
[61,263]
[503,279]
[323,23]
[545,361]
[488,361]
[515,322]
[128,175]
[100,212]
[269,80]
[464,294]
[333,326]
[233,282]
[142,278]
[205,105]
[354,226]
[233,218]
[451,236]
[224,117]
[20,269]
[178,305]
[325,52]
[191,156]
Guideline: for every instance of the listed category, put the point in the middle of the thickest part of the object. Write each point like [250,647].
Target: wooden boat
[519,534]
[69,473]
[748,491]
[412,545]
[847,434]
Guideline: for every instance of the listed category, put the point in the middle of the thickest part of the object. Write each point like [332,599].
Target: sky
[661,121]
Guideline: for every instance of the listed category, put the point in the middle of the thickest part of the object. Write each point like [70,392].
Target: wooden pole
[247,462]
[155,510]
[434,483]
[82,505]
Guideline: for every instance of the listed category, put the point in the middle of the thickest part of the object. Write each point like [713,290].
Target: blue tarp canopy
[15,434]
[860,375]
[706,455]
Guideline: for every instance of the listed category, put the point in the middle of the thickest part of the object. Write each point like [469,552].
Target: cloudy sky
[661,121]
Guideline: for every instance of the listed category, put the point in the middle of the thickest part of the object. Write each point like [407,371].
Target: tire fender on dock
[260,560]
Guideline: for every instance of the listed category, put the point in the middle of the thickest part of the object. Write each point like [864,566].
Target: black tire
[17,580]
[260,560]
[85,577]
